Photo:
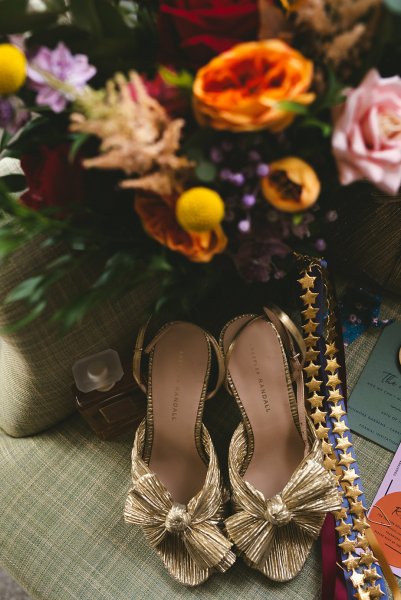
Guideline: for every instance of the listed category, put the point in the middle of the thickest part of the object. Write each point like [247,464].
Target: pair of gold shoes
[280,490]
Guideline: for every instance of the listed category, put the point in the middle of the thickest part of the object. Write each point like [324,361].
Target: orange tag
[385,520]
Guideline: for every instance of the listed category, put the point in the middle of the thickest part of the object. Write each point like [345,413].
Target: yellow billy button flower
[291,185]
[199,209]
[13,67]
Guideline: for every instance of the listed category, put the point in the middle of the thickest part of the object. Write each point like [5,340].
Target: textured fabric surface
[35,391]
[62,495]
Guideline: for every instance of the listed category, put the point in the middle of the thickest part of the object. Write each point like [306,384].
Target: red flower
[193,31]
[52,179]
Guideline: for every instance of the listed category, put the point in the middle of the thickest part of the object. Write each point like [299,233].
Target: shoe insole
[257,369]
[178,375]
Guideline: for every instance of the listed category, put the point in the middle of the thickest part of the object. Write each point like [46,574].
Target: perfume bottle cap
[100,371]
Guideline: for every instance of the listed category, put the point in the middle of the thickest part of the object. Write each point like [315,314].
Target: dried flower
[50,69]
[137,136]
[337,32]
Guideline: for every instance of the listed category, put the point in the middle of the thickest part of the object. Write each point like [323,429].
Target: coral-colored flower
[158,218]
[367,133]
[241,89]
[291,185]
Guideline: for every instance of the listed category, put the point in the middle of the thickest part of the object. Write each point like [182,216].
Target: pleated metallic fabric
[188,539]
[275,535]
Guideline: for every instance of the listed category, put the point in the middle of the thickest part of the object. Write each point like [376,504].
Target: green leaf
[206,171]
[180,79]
[25,289]
[324,127]
[79,141]
[393,6]
[294,107]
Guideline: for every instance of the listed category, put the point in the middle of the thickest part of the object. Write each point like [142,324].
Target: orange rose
[240,90]
[158,218]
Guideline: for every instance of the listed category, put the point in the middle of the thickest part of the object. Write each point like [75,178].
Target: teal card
[374,407]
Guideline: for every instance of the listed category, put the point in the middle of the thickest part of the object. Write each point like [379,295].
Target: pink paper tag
[384,515]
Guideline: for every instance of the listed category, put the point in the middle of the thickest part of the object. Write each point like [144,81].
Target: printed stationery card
[374,407]
[385,514]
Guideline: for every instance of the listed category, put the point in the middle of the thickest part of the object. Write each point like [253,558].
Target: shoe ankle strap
[140,348]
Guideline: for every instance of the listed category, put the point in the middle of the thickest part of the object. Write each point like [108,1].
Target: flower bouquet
[191,141]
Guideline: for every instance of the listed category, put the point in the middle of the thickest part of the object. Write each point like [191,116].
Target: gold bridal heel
[280,489]
[177,495]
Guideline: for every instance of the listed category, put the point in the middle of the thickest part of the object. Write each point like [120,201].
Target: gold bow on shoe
[275,535]
[187,538]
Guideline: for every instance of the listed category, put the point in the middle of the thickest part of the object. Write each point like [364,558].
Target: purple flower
[60,64]
[13,114]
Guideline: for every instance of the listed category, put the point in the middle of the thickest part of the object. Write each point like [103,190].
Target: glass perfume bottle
[107,395]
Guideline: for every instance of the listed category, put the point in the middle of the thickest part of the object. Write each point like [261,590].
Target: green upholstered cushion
[62,534]
[35,362]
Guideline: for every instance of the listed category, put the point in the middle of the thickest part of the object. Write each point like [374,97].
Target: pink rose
[367,133]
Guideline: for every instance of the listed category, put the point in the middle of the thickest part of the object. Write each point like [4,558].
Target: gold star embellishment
[322,432]
[311,370]
[307,281]
[357,579]
[357,508]
[351,563]
[362,541]
[344,529]
[331,349]
[330,463]
[309,297]
[319,416]
[327,448]
[316,401]
[332,365]
[348,546]
[333,381]
[310,327]
[310,312]
[335,396]
[337,412]
[375,592]
[341,514]
[362,595]
[350,475]
[367,558]
[360,525]
[310,340]
[372,575]
[346,459]
[340,427]
[343,443]
[314,385]
[311,354]
[353,492]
